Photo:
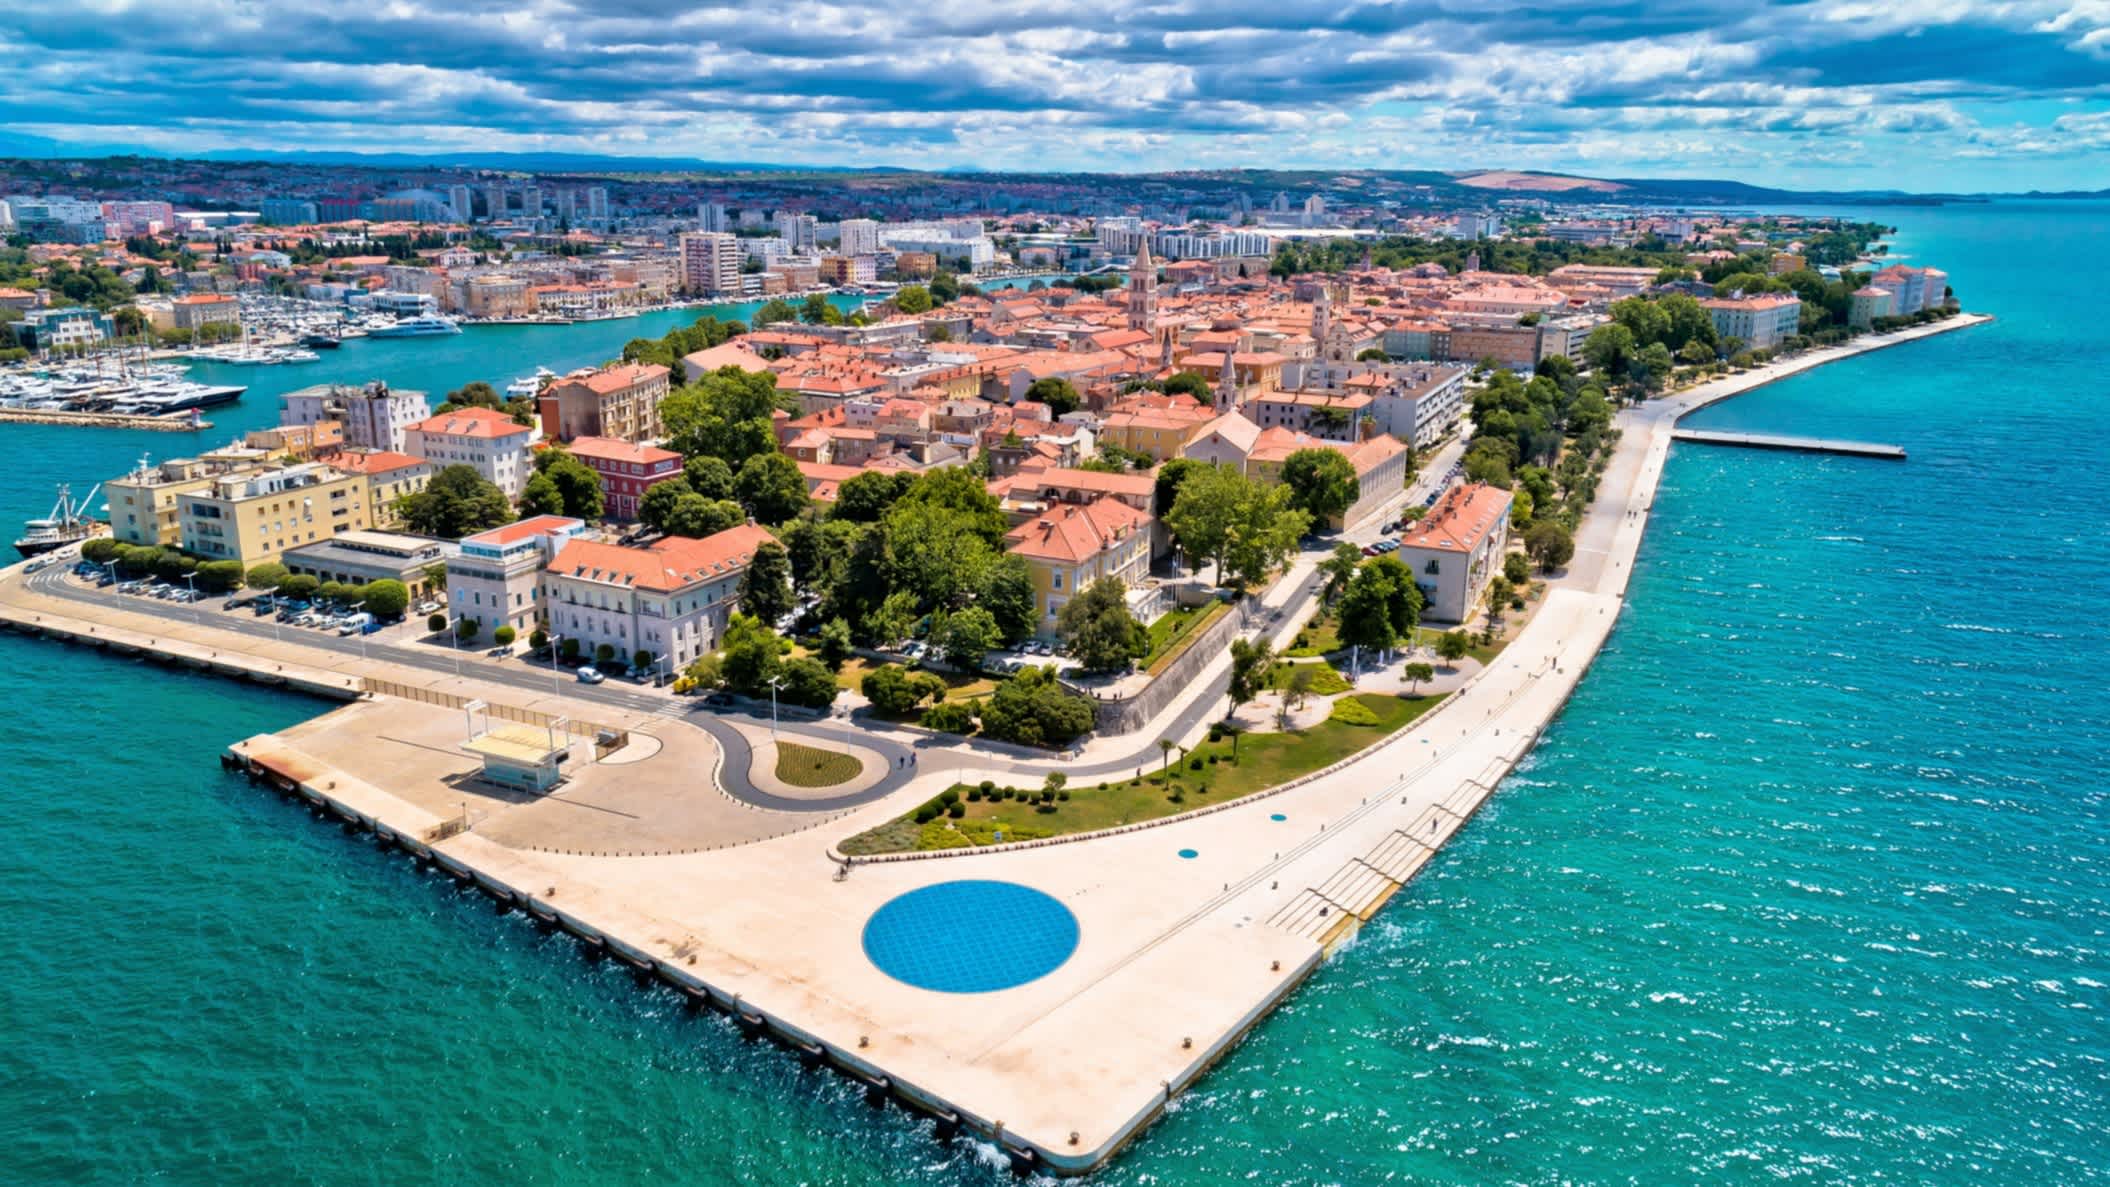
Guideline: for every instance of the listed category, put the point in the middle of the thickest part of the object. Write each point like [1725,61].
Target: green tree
[1252,662]
[709,477]
[1102,634]
[1608,348]
[696,517]
[298,587]
[457,502]
[774,310]
[835,647]
[964,637]
[269,575]
[220,576]
[896,692]
[867,496]
[577,485]
[1517,568]
[1366,610]
[1057,393]
[1549,544]
[912,299]
[1452,646]
[1007,592]
[765,589]
[807,682]
[541,497]
[1321,482]
[1169,477]
[1416,673]
[386,598]
[1339,568]
[816,311]
[657,503]
[725,414]
[771,487]
[749,654]
[1031,708]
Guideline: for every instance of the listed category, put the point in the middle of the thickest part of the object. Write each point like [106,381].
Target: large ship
[415,326]
[68,523]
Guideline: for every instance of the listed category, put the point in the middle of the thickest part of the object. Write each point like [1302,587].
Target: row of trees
[1244,527]
[667,349]
[387,598]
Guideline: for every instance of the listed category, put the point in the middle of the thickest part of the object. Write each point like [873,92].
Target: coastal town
[1192,568]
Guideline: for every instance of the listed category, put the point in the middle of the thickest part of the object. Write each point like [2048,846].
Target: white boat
[415,327]
[527,387]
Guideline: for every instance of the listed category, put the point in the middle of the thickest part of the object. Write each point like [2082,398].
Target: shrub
[949,796]
[1216,732]
[1350,711]
[974,795]
[926,814]
[504,636]
[952,717]
[1215,758]
[988,786]
[604,653]
[1062,795]
[956,811]
[1195,763]
[436,623]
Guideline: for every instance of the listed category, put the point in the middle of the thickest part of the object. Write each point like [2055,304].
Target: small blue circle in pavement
[1278,818]
[970,936]
[1190,853]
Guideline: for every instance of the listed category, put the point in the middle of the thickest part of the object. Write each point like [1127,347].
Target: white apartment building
[857,237]
[374,417]
[710,262]
[1456,548]
[496,578]
[481,438]
[671,599]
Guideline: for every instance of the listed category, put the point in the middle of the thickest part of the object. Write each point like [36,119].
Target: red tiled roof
[470,422]
[610,449]
[1071,533]
[534,526]
[670,564]
[1460,520]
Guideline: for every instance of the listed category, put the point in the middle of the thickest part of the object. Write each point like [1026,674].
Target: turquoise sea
[1810,882]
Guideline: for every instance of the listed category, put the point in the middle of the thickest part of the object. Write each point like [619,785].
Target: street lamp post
[775,682]
[556,689]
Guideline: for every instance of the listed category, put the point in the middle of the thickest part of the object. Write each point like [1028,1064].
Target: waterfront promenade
[1176,955]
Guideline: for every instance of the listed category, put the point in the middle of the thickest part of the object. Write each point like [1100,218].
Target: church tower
[1143,291]
[1227,384]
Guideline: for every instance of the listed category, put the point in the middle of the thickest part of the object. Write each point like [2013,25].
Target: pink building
[626,470]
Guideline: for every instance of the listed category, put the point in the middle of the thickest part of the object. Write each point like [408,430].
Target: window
[1432,566]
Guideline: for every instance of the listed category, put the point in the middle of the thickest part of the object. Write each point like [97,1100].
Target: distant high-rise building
[495,200]
[800,231]
[567,206]
[710,216]
[287,212]
[597,203]
[710,263]
[858,237]
[531,202]
[458,196]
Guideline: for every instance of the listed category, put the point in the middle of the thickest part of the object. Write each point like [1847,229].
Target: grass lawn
[1264,761]
[1425,637]
[1325,680]
[809,766]
[1319,636]
[1180,625]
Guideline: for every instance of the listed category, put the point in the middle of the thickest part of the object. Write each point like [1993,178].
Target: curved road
[739,752]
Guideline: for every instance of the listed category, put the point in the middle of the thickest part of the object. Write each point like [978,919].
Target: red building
[627,471]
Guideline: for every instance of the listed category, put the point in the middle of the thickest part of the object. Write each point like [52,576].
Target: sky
[1896,94]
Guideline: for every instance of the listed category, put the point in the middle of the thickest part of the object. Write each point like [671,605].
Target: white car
[589,675]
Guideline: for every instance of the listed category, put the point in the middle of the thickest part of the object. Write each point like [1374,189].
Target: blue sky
[1911,94]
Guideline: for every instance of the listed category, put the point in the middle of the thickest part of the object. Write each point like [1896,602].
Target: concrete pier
[1894,453]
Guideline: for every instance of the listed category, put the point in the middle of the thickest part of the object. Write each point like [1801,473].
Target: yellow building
[389,477]
[1070,546]
[143,502]
[1160,432]
[254,517]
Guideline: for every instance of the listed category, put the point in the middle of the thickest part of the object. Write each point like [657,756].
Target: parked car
[428,608]
[589,675]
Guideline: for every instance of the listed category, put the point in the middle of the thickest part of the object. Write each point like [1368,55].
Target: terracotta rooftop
[669,564]
[1460,520]
[486,423]
[1071,533]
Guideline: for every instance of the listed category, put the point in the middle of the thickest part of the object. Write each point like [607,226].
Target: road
[904,757]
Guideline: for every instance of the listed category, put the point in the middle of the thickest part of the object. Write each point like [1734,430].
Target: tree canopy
[456,503]
[1101,633]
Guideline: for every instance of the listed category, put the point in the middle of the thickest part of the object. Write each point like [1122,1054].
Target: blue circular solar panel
[1278,817]
[970,936]
[1190,853]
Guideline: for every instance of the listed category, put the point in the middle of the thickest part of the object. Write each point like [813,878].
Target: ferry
[527,387]
[68,523]
[415,327]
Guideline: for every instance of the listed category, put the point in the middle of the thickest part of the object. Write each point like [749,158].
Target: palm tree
[1165,748]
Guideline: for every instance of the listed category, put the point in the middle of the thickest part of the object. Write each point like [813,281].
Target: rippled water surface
[1809,882]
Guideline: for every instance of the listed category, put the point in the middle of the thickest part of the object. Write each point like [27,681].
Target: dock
[1893,453]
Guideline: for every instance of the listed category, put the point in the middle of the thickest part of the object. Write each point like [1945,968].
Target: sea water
[1808,882]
